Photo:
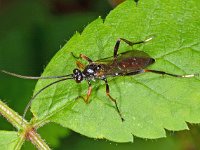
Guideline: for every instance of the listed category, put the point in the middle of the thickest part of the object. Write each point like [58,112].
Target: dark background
[31,32]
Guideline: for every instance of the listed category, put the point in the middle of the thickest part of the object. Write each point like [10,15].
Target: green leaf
[150,103]
[8,140]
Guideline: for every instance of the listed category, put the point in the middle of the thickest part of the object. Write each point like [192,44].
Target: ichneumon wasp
[120,64]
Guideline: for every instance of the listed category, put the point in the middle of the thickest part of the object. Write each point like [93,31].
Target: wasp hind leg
[170,74]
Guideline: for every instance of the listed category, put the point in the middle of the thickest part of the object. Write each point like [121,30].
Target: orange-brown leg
[112,99]
[80,65]
[83,57]
[88,92]
[86,99]
[86,58]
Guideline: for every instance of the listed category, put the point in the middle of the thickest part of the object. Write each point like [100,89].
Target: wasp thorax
[91,70]
[78,76]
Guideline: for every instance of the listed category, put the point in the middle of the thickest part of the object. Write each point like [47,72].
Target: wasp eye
[75,71]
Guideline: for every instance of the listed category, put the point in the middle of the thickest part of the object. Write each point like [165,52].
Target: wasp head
[77,75]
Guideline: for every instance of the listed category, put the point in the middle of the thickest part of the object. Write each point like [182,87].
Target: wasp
[128,63]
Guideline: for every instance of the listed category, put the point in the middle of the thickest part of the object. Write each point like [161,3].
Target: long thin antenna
[61,78]
[31,77]
[36,94]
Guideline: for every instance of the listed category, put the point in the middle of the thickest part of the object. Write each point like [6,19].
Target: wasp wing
[125,63]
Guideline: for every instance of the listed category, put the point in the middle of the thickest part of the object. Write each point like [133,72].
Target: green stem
[19,144]
[26,130]
[14,118]
[37,140]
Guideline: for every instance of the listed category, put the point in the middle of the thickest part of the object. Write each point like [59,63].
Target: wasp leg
[174,75]
[134,73]
[116,48]
[108,94]
[74,56]
[80,65]
[86,100]
[88,92]
[86,58]
[83,57]
[136,2]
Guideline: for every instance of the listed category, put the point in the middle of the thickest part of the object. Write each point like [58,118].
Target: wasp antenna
[19,76]
[37,93]
[31,77]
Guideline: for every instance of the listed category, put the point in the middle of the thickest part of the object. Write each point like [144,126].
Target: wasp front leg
[86,99]
[86,58]
[88,92]
[80,65]
[83,57]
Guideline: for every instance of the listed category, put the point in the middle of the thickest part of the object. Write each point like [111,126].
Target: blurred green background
[31,32]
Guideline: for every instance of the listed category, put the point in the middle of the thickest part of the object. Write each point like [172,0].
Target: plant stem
[14,118]
[25,129]
[37,140]
[19,144]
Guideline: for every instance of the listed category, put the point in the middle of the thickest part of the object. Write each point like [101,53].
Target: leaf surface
[150,103]
[8,140]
